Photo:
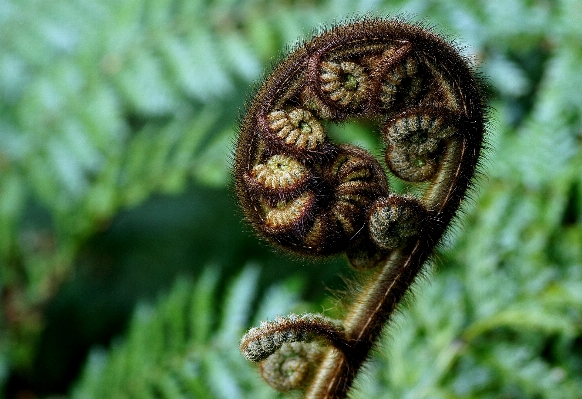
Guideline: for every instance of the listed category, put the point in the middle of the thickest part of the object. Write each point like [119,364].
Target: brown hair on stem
[313,197]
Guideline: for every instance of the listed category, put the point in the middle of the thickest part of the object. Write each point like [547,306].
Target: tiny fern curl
[261,342]
[310,196]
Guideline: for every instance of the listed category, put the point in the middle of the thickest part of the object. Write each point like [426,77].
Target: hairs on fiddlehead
[313,197]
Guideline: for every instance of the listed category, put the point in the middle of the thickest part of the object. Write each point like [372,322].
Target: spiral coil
[311,196]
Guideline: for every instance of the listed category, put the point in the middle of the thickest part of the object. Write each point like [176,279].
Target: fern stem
[310,196]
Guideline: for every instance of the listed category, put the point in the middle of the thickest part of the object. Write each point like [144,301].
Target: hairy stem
[379,299]
[310,196]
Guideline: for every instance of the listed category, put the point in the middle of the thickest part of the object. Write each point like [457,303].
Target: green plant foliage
[186,345]
[105,104]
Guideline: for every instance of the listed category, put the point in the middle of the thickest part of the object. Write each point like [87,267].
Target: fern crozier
[313,197]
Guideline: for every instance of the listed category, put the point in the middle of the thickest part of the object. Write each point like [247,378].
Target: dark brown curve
[397,271]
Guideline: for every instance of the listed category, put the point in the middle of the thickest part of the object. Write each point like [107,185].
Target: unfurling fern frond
[310,196]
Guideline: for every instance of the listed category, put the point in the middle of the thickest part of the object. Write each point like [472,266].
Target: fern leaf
[173,349]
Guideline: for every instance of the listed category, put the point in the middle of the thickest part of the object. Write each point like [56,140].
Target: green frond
[105,104]
[186,345]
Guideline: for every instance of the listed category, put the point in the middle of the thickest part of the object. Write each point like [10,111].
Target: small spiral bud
[403,83]
[346,83]
[315,209]
[413,145]
[280,172]
[394,220]
[356,179]
[261,342]
[297,127]
[286,215]
[292,366]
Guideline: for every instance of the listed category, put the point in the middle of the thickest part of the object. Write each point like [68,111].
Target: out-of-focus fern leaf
[186,345]
[236,309]
[11,204]
[463,364]
[104,103]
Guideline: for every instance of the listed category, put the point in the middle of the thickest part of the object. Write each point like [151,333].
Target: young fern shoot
[312,197]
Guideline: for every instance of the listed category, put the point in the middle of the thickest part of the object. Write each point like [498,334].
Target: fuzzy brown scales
[313,197]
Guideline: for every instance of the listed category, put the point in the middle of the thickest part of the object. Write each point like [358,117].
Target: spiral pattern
[311,196]
[402,84]
[414,142]
[394,220]
[292,366]
[296,127]
[345,83]
[261,342]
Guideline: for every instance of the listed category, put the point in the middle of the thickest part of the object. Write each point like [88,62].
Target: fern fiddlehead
[310,196]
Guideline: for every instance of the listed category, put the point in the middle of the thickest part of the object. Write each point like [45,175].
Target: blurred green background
[126,270]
